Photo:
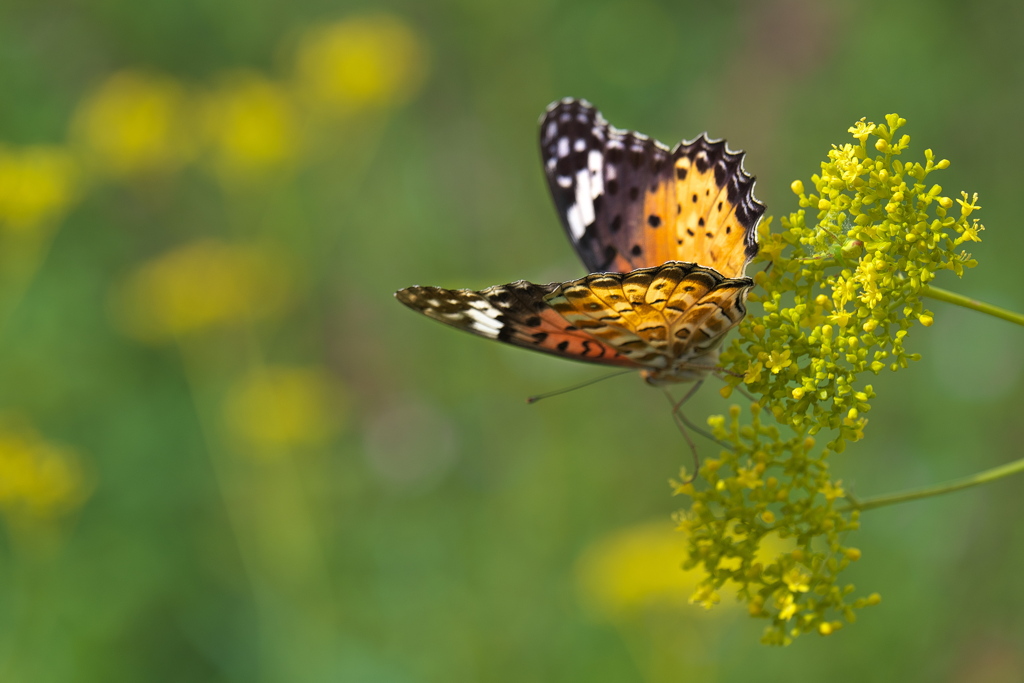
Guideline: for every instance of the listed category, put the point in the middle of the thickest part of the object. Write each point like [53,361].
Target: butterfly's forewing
[516,313]
[627,201]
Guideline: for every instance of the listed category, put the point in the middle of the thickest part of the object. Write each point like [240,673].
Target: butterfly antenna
[534,399]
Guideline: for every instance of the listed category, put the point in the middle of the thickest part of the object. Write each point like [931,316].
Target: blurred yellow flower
[362,62]
[637,567]
[135,123]
[39,481]
[250,126]
[278,407]
[642,567]
[37,186]
[199,286]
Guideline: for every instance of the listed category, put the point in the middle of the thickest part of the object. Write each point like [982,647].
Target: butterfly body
[666,235]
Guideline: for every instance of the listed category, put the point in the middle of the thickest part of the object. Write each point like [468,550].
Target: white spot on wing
[563,146]
[595,162]
[576,225]
[584,199]
[484,323]
[485,306]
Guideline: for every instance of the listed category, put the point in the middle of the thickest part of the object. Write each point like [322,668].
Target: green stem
[927,492]
[973,304]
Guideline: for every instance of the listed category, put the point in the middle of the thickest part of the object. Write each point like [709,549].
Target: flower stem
[927,492]
[980,306]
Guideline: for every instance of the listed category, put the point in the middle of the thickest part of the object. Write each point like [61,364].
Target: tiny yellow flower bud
[825,628]
[853,249]
[943,164]
[853,554]
[881,145]
[824,204]
[797,187]
[768,517]
[725,391]
[925,319]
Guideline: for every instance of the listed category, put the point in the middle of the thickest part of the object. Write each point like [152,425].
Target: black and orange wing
[664,319]
[627,201]
[516,313]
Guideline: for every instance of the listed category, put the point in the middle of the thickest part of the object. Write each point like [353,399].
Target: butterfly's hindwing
[717,213]
[600,177]
[627,201]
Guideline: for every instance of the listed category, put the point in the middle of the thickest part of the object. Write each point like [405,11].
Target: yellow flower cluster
[839,300]
[134,123]
[40,481]
[199,286]
[635,568]
[277,408]
[37,186]
[250,125]
[843,297]
[137,124]
[767,487]
[247,125]
[367,62]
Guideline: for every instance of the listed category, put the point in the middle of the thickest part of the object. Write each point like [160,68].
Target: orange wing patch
[664,318]
[716,219]
[657,240]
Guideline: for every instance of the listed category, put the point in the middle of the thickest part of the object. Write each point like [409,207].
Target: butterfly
[666,235]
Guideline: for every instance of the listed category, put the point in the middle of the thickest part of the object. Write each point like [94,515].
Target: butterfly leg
[680,416]
[682,423]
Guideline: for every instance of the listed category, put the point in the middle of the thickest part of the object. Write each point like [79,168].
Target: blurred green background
[227,454]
